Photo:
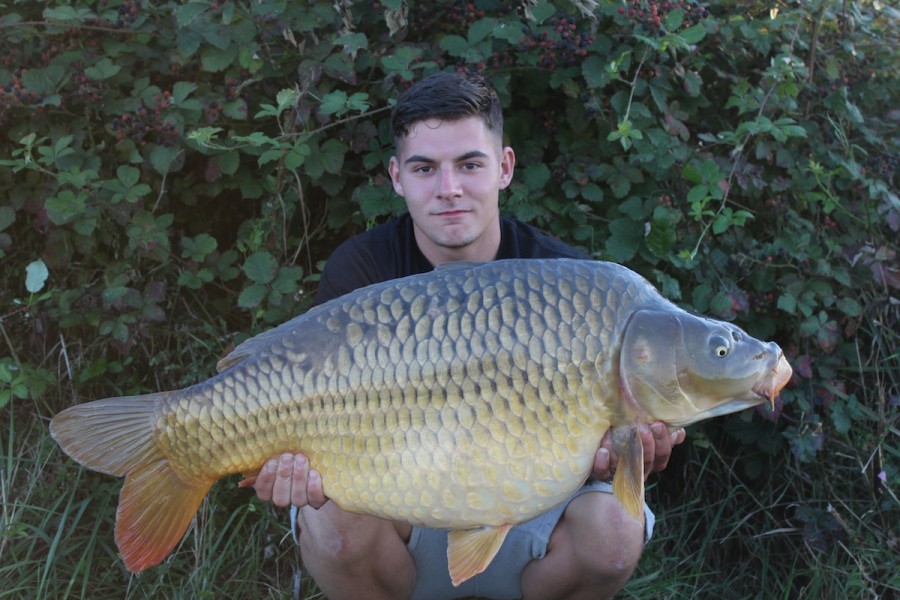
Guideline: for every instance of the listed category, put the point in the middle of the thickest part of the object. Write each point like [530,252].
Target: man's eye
[470,166]
[424,169]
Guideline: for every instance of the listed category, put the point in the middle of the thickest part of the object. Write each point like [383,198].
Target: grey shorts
[502,579]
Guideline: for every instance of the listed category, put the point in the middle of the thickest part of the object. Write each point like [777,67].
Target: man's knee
[608,541]
[355,556]
[337,536]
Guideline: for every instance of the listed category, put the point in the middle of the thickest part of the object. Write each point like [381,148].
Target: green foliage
[174,174]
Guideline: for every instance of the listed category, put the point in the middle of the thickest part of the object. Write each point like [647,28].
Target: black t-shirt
[389,251]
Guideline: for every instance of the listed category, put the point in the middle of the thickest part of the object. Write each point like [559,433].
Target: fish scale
[470,398]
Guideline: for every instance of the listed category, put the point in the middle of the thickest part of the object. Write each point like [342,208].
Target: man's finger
[265,479]
[662,445]
[315,491]
[299,480]
[602,465]
[281,490]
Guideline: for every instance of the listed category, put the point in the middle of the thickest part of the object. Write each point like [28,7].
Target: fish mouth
[769,387]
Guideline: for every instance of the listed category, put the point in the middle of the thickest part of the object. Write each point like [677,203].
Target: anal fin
[470,551]
[628,482]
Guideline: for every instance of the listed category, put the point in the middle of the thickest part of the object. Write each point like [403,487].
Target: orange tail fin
[115,436]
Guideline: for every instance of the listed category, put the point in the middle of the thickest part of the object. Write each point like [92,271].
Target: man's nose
[449,184]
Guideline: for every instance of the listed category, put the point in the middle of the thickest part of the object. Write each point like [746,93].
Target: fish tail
[156,505]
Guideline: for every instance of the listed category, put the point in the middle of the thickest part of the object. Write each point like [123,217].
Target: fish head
[681,368]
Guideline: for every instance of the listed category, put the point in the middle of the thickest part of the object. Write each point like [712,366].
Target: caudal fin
[156,505]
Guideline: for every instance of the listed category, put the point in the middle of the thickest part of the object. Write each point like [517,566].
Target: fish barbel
[469,398]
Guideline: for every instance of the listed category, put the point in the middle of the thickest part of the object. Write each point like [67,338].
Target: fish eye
[719,346]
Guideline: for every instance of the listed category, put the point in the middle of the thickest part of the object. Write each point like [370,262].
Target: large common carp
[470,398]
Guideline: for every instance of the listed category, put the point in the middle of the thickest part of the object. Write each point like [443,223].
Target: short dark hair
[448,96]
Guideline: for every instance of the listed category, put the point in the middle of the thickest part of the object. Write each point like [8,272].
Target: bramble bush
[174,174]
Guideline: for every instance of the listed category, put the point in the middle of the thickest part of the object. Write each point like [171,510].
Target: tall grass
[57,534]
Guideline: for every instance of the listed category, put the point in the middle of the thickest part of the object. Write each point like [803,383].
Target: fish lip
[769,387]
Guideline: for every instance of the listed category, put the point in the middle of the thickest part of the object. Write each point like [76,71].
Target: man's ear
[394,171]
[507,166]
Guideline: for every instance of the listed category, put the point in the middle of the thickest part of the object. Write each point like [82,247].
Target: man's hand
[657,441]
[287,480]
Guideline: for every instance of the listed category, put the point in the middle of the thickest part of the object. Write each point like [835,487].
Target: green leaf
[261,267]
[620,185]
[624,240]
[181,90]
[65,206]
[199,247]
[849,306]
[353,42]
[543,11]
[36,275]
[595,72]
[102,69]
[44,81]
[162,158]
[788,303]
[454,45]
[481,29]
[662,235]
[186,13]
[692,83]
[7,217]
[128,175]
[592,192]
[536,176]
[286,282]
[67,13]
[214,60]
[693,35]
[251,296]
[674,19]
[334,103]
[228,162]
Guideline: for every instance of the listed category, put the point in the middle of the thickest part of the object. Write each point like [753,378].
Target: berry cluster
[855,75]
[453,17]
[143,124]
[15,94]
[649,14]
[86,89]
[128,13]
[18,93]
[560,44]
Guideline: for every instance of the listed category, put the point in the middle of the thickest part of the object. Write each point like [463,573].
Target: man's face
[450,173]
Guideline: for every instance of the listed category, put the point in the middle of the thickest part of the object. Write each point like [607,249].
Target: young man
[450,166]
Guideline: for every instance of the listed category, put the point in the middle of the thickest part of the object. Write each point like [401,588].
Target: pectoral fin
[470,551]
[628,482]
[249,479]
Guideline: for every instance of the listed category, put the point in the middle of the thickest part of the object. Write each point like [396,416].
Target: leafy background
[174,174]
